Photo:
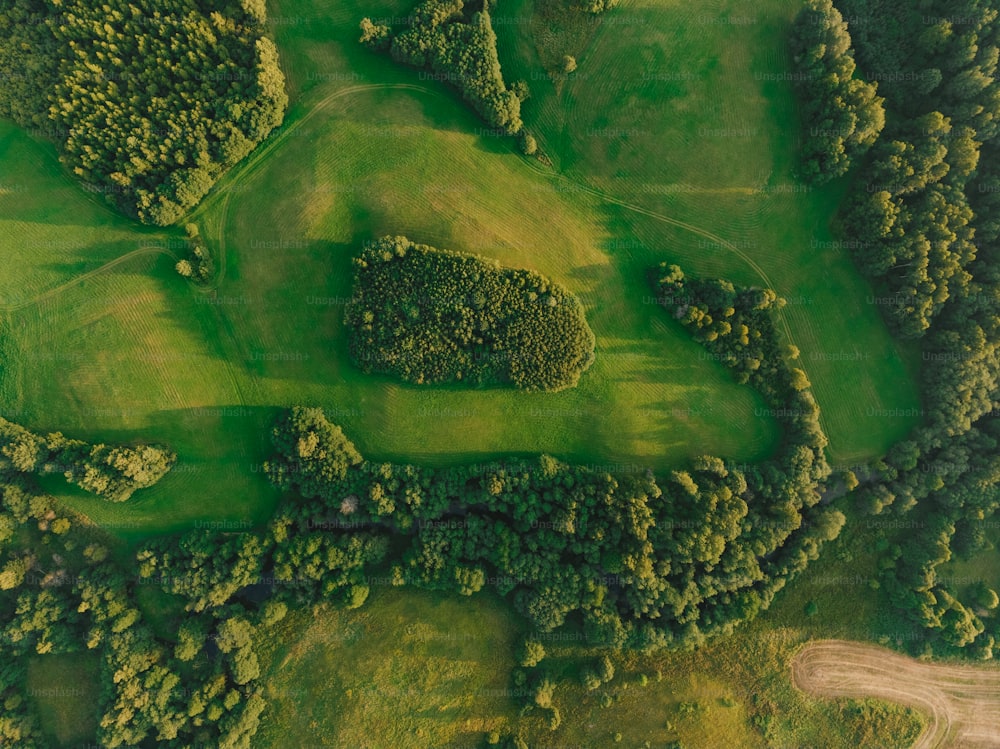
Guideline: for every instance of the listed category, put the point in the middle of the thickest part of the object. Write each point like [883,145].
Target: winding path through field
[253,162]
[961,702]
[249,167]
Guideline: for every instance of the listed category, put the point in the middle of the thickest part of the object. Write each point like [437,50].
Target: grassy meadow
[440,666]
[673,141]
[104,341]
[62,688]
[682,112]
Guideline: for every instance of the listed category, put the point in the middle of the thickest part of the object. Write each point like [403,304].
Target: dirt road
[961,702]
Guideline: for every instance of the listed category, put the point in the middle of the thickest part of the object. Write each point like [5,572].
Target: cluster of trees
[428,316]
[201,567]
[18,726]
[596,6]
[457,43]
[111,472]
[63,590]
[842,115]
[198,265]
[911,213]
[924,220]
[640,560]
[149,105]
[940,490]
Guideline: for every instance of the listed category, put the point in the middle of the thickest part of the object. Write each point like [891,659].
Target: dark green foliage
[316,453]
[18,725]
[149,104]
[532,652]
[202,566]
[112,472]
[911,216]
[597,6]
[198,264]
[842,115]
[641,560]
[913,224]
[76,597]
[428,317]
[115,472]
[924,223]
[925,60]
[458,47]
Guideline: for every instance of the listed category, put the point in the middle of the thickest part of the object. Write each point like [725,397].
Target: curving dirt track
[961,702]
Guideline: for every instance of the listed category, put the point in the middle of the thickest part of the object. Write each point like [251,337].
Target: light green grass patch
[683,113]
[386,161]
[409,669]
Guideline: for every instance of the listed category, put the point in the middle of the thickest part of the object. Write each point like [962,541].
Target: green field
[440,665]
[678,112]
[675,141]
[133,352]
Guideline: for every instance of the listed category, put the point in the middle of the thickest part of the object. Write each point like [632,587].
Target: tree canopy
[456,42]
[149,104]
[428,316]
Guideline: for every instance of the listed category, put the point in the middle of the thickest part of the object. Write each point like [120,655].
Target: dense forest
[456,42]
[923,215]
[842,115]
[148,105]
[429,316]
[61,591]
[64,590]
[639,559]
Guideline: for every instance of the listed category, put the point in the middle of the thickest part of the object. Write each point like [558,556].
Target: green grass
[411,669]
[649,398]
[678,109]
[651,163]
[63,689]
[132,352]
[439,666]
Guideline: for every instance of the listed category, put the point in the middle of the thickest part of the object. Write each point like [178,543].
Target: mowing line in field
[962,702]
[89,274]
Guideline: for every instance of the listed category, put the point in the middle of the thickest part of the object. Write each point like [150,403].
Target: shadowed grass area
[684,112]
[64,690]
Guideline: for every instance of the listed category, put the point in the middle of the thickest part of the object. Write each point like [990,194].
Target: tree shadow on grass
[218,477]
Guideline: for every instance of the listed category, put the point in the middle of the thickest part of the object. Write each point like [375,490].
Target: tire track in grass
[254,163]
[76,280]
